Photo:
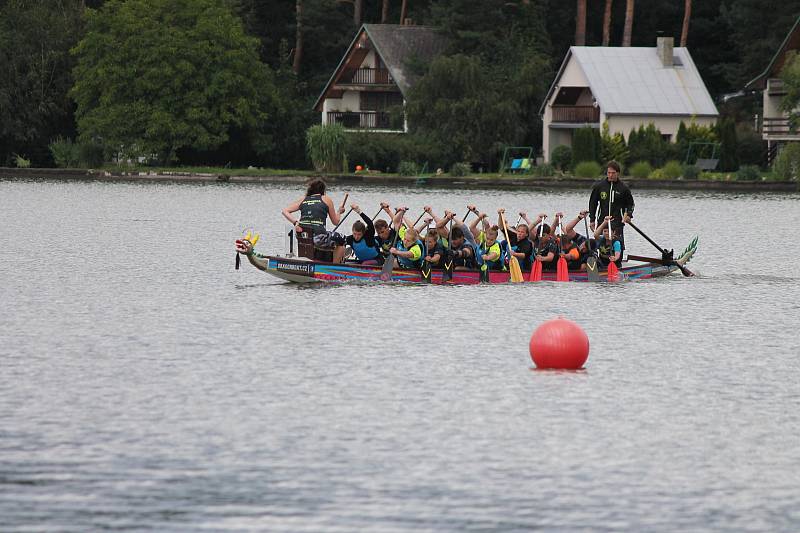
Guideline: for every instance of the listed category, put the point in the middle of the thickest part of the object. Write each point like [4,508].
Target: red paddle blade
[536,271]
[613,272]
[562,273]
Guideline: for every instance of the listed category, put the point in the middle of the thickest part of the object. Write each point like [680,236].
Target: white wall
[349,101]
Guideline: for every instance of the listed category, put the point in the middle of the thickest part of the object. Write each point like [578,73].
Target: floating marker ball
[359,168]
[559,343]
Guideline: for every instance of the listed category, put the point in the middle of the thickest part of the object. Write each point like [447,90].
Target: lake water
[146,384]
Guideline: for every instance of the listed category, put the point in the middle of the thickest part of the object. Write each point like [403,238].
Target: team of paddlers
[434,240]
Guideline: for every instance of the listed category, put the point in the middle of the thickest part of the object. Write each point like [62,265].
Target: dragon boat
[305,270]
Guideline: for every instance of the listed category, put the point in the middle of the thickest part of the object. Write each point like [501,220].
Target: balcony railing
[370,76]
[362,120]
[578,114]
[777,126]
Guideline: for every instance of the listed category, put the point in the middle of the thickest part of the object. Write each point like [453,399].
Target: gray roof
[396,44]
[632,81]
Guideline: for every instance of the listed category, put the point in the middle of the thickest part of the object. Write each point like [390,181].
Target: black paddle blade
[237,260]
[447,271]
[426,272]
[591,269]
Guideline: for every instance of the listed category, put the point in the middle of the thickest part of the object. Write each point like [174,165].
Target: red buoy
[559,343]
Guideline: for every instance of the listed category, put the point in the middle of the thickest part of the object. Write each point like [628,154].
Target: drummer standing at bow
[611,197]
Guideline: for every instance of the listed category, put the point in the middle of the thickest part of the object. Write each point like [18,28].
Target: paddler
[362,241]
[609,246]
[315,207]
[610,196]
[409,251]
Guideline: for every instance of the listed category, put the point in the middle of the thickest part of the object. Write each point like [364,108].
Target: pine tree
[729,149]
[583,146]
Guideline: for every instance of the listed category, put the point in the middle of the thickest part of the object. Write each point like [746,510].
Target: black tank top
[313,213]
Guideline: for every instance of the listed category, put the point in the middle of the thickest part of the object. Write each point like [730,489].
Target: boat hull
[297,270]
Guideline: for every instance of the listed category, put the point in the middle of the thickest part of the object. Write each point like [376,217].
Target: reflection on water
[147,384]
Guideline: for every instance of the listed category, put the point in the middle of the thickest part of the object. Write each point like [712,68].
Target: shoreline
[474,181]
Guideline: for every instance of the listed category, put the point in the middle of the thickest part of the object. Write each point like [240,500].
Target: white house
[774,123]
[626,86]
[373,77]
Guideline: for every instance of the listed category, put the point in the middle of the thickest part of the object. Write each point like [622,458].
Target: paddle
[666,256]
[536,269]
[513,263]
[591,261]
[342,220]
[388,264]
[425,270]
[562,273]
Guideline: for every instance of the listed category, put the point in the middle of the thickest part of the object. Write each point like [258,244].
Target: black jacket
[621,201]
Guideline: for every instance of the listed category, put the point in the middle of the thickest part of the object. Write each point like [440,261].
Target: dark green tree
[583,146]
[35,77]
[157,76]
[452,106]
[729,146]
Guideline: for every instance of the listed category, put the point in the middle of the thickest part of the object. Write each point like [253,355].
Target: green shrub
[460,169]
[657,174]
[561,157]
[691,172]
[748,173]
[641,169]
[646,144]
[385,151]
[91,154]
[612,147]
[787,164]
[325,144]
[588,169]
[672,170]
[583,146]
[21,161]
[408,168]
[545,170]
[751,146]
[65,153]
[729,145]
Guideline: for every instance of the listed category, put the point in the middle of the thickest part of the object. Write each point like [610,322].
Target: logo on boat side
[296,268]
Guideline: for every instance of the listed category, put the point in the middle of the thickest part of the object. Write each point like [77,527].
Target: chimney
[664,47]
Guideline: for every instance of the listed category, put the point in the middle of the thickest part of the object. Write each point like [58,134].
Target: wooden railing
[777,126]
[371,76]
[363,120]
[578,114]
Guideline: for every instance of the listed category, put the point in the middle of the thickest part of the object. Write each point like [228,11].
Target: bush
[641,169]
[325,144]
[657,174]
[460,169]
[583,146]
[691,172]
[91,154]
[729,146]
[21,161]
[408,168]
[672,170]
[612,147]
[385,151]
[65,153]
[588,169]
[787,164]
[751,146]
[545,170]
[561,157]
[748,173]
[646,144]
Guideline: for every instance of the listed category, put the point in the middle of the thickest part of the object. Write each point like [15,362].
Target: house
[774,123]
[628,87]
[373,78]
